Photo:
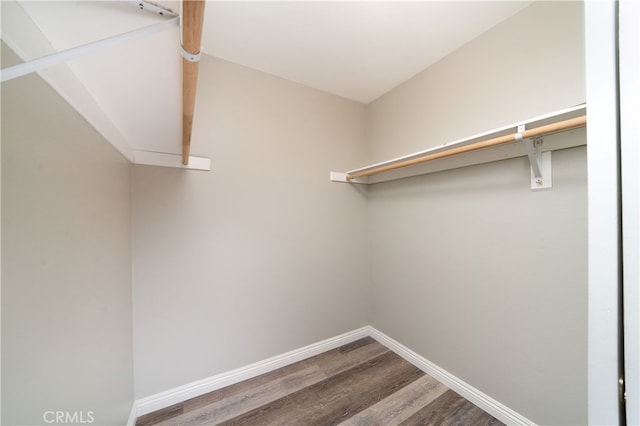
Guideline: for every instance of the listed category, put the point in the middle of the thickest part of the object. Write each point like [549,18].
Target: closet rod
[538,131]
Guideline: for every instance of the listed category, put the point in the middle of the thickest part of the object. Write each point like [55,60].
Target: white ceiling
[359,50]
[131,93]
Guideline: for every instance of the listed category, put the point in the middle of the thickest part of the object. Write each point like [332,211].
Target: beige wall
[66,262]
[261,255]
[469,267]
[526,66]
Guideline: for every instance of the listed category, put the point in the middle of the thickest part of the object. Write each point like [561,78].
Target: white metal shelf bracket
[540,161]
[342,177]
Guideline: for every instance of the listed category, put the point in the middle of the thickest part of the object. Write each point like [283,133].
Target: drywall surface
[66,264]
[530,64]
[261,255]
[469,267]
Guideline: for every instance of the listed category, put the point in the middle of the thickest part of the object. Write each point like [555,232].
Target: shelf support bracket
[342,177]
[540,161]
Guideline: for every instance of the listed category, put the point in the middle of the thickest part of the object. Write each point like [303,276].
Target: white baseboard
[132,415]
[488,404]
[191,390]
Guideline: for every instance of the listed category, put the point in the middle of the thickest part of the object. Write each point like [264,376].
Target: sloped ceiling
[131,92]
[359,50]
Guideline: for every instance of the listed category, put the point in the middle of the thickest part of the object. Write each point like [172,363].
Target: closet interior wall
[66,262]
[263,254]
[468,267]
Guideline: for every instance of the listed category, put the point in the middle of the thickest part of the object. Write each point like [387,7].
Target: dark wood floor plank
[247,386]
[401,405]
[158,416]
[337,398]
[356,344]
[341,358]
[470,414]
[361,383]
[239,398]
[239,403]
[437,411]
[450,409]
[344,360]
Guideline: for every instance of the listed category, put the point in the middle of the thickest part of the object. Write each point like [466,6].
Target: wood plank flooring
[362,383]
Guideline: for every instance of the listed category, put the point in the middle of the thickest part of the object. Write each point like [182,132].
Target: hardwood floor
[362,383]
